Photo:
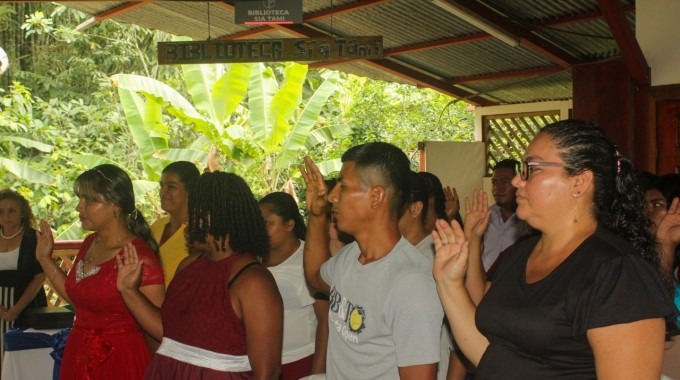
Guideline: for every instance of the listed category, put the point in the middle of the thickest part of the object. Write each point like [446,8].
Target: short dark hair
[418,193]
[390,162]
[222,205]
[185,170]
[507,163]
[27,218]
[284,205]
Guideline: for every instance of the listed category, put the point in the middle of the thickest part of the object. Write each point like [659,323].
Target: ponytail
[138,225]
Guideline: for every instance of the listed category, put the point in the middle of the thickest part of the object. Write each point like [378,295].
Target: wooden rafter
[436,44]
[625,39]
[509,74]
[577,18]
[399,69]
[111,13]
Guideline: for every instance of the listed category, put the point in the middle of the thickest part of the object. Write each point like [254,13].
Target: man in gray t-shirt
[385,316]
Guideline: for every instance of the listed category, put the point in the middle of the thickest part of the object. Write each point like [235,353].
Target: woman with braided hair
[107,340]
[579,300]
[223,314]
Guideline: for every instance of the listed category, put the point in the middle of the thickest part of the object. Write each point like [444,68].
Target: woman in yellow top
[169,230]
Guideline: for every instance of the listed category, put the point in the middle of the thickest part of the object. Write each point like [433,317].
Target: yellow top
[173,251]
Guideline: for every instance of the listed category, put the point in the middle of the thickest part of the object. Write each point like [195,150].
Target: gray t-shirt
[382,315]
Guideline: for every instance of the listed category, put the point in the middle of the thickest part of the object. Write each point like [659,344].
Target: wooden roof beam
[423,80]
[436,44]
[526,37]
[342,9]
[577,18]
[398,69]
[625,39]
[509,74]
[113,12]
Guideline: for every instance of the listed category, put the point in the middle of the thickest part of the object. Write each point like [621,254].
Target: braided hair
[222,205]
[618,201]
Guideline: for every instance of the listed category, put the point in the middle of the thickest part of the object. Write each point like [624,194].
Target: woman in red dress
[223,314]
[107,340]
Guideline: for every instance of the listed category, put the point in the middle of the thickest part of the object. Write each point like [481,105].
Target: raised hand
[452,202]
[129,269]
[45,244]
[451,252]
[315,195]
[477,215]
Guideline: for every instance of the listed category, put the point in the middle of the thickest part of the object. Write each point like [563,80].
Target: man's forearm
[316,252]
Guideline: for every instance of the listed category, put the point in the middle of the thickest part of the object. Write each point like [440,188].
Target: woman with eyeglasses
[107,340]
[580,300]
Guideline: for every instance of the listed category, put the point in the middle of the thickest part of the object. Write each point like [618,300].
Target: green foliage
[81,98]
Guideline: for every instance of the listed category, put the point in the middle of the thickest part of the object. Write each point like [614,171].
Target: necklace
[97,241]
[11,236]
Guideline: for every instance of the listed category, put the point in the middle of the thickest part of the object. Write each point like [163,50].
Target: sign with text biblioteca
[264,12]
[271,50]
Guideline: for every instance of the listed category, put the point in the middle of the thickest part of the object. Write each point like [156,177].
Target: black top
[27,268]
[538,330]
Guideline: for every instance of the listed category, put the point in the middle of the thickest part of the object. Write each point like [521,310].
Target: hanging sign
[265,12]
[270,50]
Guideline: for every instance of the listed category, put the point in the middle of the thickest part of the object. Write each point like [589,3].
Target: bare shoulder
[248,274]
[252,287]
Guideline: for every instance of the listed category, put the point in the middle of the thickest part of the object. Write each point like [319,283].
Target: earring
[575,220]
[115,213]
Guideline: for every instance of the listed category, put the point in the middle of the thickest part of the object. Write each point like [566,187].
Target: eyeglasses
[523,167]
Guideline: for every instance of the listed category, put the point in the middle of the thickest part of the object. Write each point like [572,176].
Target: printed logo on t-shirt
[348,318]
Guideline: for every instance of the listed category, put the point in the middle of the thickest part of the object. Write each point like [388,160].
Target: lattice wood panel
[509,135]
[64,255]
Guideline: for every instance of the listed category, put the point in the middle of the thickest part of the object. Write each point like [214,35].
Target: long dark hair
[115,186]
[619,201]
[222,205]
[284,205]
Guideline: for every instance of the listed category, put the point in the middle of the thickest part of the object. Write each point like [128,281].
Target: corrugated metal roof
[426,45]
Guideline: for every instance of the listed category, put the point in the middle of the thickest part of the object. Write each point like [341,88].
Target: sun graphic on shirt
[356,319]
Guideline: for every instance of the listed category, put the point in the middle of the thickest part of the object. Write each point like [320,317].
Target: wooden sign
[271,50]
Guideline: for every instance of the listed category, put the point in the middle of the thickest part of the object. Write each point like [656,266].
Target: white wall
[658,33]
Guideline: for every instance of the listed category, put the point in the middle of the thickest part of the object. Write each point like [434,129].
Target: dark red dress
[197,312]
[106,342]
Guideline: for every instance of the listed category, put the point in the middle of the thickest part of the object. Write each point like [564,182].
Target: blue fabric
[59,340]
[677,302]
[17,340]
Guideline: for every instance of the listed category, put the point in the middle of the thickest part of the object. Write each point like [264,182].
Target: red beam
[625,39]
[527,38]
[343,9]
[427,81]
[119,10]
[399,70]
[578,18]
[436,44]
[509,74]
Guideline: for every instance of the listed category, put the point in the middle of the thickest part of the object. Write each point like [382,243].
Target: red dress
[106,343]
[197,312]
